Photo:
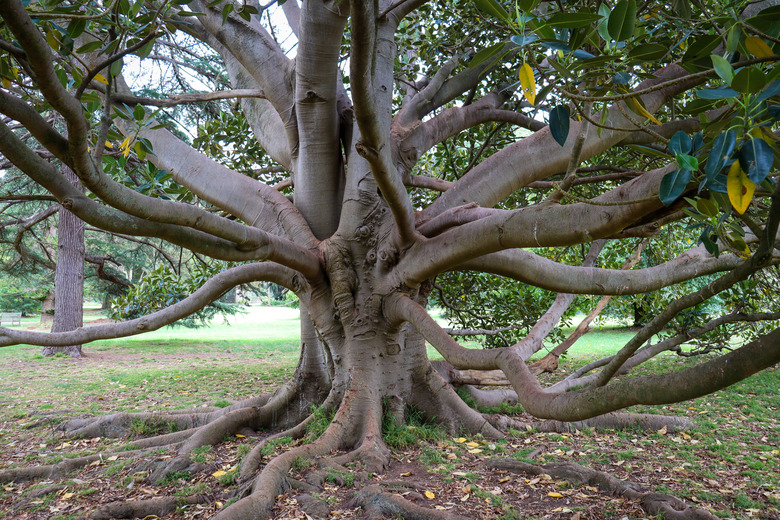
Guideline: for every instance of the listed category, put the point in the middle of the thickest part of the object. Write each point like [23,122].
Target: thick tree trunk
[68,277]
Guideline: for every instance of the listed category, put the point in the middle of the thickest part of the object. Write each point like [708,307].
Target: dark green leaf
[680,143]
[673,185]
[717,93]
[559,124]
[621,78]
[648,52]
[116,68]
[735,34]
[621,20]
[486,53]
[572,20]
[139,113]
[702,47]
[755,159]
[492,8]
[771,90]
[721,151]
[89,47]
[749,80]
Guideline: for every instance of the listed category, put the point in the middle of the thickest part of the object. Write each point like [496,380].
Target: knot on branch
[67,203]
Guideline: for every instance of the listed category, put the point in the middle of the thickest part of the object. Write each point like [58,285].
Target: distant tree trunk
[47,309]
[68,277]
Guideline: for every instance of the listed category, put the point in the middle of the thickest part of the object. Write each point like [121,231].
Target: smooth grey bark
[68,277]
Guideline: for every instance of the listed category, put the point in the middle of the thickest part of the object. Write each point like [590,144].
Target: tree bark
[68,277]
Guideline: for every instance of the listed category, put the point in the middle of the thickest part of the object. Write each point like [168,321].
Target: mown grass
[728,463]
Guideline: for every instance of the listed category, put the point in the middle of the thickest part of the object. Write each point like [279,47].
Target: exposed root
[121,424]
[51,471]
[672,508]
[615,421]
[379,504]
[154,507]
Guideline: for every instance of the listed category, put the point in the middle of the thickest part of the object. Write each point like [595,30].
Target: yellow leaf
[219,473]
[555,495]
[218,504]
[475,451]
[240,436]
[472,444]
[662,431]
[502,480]
[6,83]
[53,40]
[758,47]
[67,496]
[460,440]
[642,110]
[527,81]
[740,188]
[406,474]
[101,78]
[109,145]
[429,495]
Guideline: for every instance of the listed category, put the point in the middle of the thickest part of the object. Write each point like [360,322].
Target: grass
[735,443]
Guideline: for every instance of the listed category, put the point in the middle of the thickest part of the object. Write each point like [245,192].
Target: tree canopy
[497,158]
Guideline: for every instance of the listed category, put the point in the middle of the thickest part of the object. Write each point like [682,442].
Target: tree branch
[210,291]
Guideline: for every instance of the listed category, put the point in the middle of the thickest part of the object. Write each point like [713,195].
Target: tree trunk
[47,309]
[68,277]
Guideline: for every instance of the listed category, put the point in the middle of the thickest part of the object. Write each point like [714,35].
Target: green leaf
[721,151]
[602,28]
[139,113]
[755,159]
[707,207]
[573,20]
[486,53]
[492,8]
[559,124]
[732,41]
[723,68]
[749,80]
[226,12]
[673,185]
[621,20]
[717,93]
[116,68]
[648,52]
[680,143]
[687,162]
[523,39]
[90,47]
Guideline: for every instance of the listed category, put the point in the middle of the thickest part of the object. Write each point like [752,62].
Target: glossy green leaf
[749,80]
[622,20]
[673,185]
[732,41]
[687,162]
[723,68]
[90,47]
[717,93]
[486,53]
[680,143]
[559,124]
[524,39]
[493,8]
[722,148]
[755,159]
[572,20]
[648,52]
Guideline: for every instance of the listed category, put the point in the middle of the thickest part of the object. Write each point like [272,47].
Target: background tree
[616,122]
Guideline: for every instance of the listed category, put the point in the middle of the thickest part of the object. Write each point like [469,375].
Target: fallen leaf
[475,451]
[67,496]
[472,444]
[460,440]
[113,458]
[240,436]
[429,495]
[662,431]
[502,480]
[555,495]
[219,473]
[406,474]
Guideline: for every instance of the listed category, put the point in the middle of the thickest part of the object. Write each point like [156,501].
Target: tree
[623,122]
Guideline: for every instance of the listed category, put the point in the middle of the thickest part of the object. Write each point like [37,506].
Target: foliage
[163,287]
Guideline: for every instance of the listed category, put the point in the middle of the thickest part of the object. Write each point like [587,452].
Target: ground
[728,464]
